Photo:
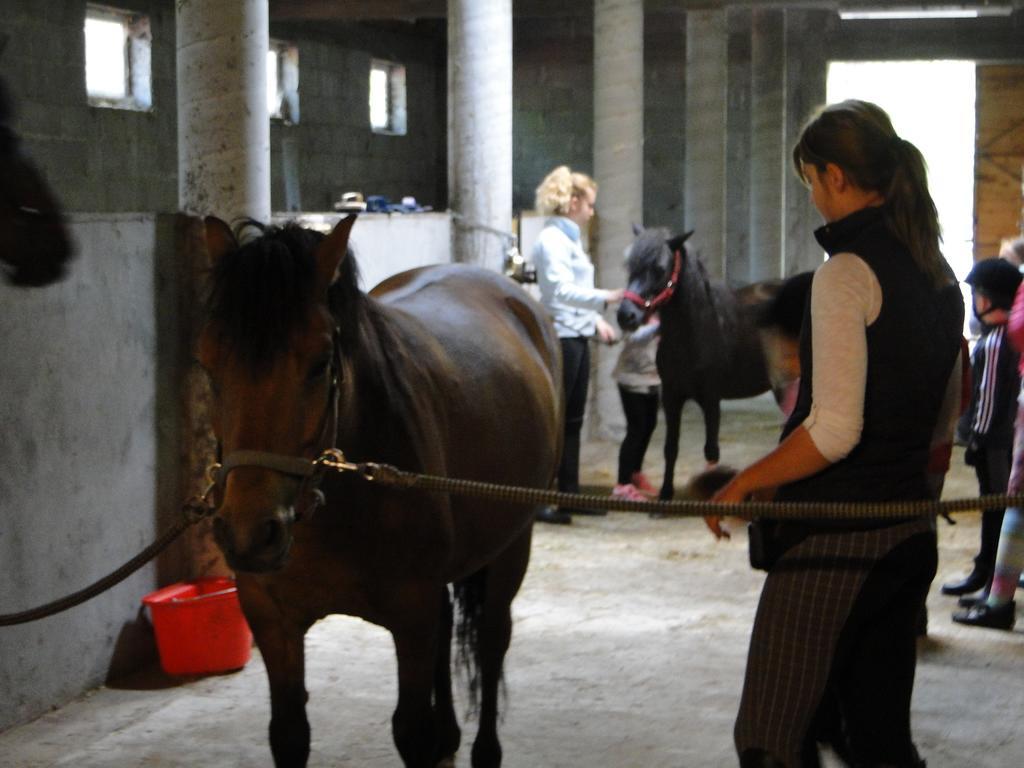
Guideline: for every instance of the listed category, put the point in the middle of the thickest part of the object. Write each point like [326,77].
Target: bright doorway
[931,104]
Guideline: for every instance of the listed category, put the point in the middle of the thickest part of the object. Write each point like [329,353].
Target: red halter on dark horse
[711,347]
[448,370]
[34,243]
[651,305]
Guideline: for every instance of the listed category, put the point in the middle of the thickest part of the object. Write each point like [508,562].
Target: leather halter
[649,305]
[294,466]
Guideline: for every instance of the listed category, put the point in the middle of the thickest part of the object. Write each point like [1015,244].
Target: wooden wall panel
[999,157]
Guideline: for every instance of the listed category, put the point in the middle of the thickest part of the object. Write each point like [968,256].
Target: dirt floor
[628,651]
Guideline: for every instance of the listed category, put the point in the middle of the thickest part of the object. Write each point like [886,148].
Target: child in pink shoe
[636,374]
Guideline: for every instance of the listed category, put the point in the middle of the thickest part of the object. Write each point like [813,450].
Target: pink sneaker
[642,484]
[628,492]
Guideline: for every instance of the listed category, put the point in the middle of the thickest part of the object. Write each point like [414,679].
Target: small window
[283,82]
[117,58]
[387,97]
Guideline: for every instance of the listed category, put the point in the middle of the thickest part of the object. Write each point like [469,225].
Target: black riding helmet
[997,279]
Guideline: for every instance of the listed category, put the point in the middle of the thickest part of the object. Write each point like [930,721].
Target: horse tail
[469,597]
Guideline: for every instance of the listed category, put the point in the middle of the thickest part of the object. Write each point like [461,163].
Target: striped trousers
[833,648]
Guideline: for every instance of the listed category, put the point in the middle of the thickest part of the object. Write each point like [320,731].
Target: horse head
[34,243]
[270,348]
[655,261]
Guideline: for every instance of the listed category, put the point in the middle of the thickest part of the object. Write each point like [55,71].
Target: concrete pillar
[223,125]
[480,128]
[767,145]
[806,76]
[618,167]
[706,109]
[737,192]
[223,170]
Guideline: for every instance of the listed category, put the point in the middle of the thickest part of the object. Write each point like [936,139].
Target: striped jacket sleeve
[989,394]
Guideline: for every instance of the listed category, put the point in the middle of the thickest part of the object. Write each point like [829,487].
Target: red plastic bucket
[199,627]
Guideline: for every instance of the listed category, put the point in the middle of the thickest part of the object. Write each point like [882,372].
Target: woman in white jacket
[565,276]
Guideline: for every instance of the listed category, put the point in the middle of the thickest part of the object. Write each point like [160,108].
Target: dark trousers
[992,467]
[575,380]
[641,409]
[865,713]
[833,650]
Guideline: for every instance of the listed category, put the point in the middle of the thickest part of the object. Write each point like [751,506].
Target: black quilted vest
[911,348]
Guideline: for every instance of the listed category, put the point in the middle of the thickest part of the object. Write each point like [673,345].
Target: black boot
[983,615]
[553,515]
[975,581]
[966,601]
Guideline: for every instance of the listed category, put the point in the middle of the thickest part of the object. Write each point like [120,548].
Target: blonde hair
[558,189]
[858,137]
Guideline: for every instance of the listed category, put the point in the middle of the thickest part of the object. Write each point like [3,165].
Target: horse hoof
[447,762]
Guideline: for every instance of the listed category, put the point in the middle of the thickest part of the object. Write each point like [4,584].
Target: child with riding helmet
[993,407]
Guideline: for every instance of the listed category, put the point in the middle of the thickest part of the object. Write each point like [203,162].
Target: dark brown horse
[711,348]
[449,370]
[34,242]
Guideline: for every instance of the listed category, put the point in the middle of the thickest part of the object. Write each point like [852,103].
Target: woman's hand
[605,332]
[733,492]
[614,297]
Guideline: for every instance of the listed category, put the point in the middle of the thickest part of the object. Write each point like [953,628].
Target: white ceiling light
[922,11]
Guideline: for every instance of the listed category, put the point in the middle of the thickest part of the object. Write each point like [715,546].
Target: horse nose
[263,548]
[628,316]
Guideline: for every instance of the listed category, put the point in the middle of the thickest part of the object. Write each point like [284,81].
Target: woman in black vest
[832,651]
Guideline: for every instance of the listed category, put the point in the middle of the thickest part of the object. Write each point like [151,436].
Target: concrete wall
[332,149]
[553,92]
[96,159]
[114,160]
[553,101]
[664,107]
[86,453]
[385,243]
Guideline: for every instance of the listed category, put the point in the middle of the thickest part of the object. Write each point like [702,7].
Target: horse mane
[646,250]
[261,292]
[706,312]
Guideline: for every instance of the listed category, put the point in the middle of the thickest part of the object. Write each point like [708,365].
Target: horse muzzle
[630,316]
[258,547]
[255,542]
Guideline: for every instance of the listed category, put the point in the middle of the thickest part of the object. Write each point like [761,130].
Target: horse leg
[502,580]
[449,734]
[416,646]
[673,405]
[282,648]
[712,409]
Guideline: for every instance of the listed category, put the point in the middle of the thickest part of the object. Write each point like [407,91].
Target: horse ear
[331,252]
[219,238]
[676,243]
[637,229]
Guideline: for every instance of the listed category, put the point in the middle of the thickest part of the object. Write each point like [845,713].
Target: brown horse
[448,370]
[34,242]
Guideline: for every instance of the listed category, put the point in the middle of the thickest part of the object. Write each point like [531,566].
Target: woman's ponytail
[911,213]
[858,137]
